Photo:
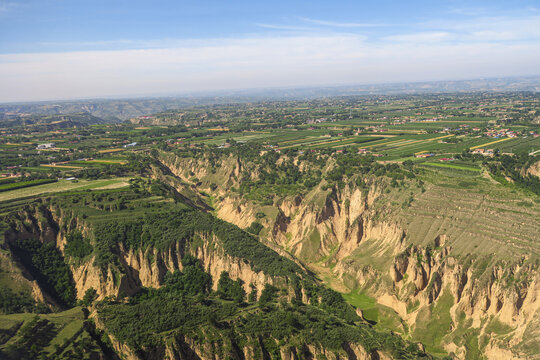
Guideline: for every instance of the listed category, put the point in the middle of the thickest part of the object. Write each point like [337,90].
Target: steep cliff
[158,275]
[406,247]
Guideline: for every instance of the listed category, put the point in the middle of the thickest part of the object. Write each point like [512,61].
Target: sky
[71,49]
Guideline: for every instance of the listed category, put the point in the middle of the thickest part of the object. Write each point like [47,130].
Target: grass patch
[453,166]
[59,186]
[434,323]
[496,327]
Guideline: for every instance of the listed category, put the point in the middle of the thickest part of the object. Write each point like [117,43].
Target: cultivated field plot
[528,144]
[107,151]
[93,163]
[392,146]
[477,215]
[65,185]
[431,125]
[62,167]
[65,327]
[452,165]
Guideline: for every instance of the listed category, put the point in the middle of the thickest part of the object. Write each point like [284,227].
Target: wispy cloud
[469,11]
[115,42]
[9,6]
[306,52]
[342,24]
[490,28]
[421,37]
[255,62]
[286,27]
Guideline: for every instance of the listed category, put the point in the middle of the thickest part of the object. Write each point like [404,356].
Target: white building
[45,146]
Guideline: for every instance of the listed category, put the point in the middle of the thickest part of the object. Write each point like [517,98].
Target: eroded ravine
[367,248]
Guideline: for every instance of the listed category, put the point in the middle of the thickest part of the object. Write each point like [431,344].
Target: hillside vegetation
[163,277]
[355,227]
[425,242]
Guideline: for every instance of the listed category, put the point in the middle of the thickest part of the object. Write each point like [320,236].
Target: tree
[408,164]
[89,296]
[267,294]
[229,289]
[253,294]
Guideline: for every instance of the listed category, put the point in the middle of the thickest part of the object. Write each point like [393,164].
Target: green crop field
[11,186]
[453,166]
[63,185]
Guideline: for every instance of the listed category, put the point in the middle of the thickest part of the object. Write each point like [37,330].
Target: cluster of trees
[23,184]
[229,289]
[192,281]
[77,246]
[137,164]
[514,167]
[47,265]
[349,164]
[255,228]
[17,302]
[33,336]
[180,311]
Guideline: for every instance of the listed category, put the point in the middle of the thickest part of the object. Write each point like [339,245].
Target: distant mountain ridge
[117,110]
[50,121]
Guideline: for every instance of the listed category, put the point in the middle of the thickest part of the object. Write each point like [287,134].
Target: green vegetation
[513,167]
[229,289]
[460,165]
[12,302]
[77,246]
[24,184]
[434,323]
[65,335]
[177,313]
[48,267]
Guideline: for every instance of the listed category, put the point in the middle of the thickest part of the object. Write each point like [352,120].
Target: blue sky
[64,49]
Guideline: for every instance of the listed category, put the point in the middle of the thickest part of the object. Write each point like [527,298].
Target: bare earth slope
[451,261]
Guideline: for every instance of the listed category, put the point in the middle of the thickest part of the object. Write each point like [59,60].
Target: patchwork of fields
[390,141]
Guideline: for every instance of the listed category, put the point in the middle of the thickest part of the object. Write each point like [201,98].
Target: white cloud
[421,37]
[341,24]
[286,27]
[255,63]
[499,28]
[469,11]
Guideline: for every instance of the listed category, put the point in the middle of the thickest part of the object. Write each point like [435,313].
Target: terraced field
[61,335]
[469,208]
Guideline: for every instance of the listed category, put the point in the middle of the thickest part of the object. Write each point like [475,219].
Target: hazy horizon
[375,88]
[52,50]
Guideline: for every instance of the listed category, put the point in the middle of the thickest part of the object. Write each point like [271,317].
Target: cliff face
[186,348]
[138,267]
[189,349]
[148,268]
[534,169]
[347,234]
[410,279]
[399,275]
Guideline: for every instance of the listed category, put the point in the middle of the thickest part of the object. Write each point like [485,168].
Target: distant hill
[111,111]
[117,110]
[51,121]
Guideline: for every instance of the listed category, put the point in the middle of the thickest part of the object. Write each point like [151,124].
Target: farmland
[63,185]
[393,129]
[399,203]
